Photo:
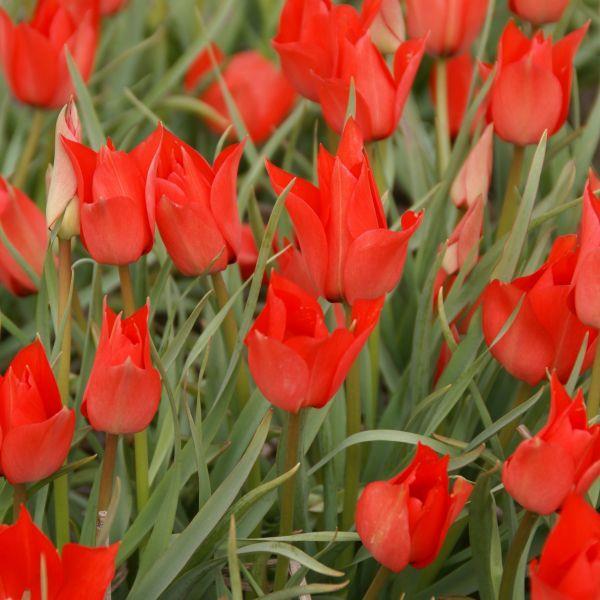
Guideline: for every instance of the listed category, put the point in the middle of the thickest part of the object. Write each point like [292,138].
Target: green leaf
[232,559]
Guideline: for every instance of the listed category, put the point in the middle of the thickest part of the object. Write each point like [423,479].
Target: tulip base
[286,523]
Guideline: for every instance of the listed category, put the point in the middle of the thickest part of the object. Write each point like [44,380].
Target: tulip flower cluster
[299,301]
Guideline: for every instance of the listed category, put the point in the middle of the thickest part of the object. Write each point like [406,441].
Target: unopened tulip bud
[387,30]
[473,180]
[62,190]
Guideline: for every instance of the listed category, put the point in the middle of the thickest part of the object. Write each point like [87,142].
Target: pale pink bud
[387,30]
[62,190]
[464,239]
[473,180]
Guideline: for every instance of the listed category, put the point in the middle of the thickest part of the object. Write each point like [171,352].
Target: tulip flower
[565,442]
[346,245]
[587,290]
[473,180]
[310,35]
[28,558]
[453,25]
[196,204]
[62,192]
[123,391]
[569,566]
[546,324]
[117,224]
[24,226]
[35,428]
[294,359]
[261,93]
[33,53]
[462,245]
[387,30]
[404,520]
[527,71]
[538,13]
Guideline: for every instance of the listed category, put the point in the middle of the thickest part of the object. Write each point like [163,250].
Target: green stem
[61,484]
[286,522]
[511,565]
[374,342]
[106,479]
[37,122]
[19,497]
[378,583]
[442,127]
[594,391]
[140,439]
[509,204]
[523,393]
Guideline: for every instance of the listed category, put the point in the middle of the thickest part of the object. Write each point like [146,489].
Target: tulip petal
[375,261]
[280,374]
[35,451]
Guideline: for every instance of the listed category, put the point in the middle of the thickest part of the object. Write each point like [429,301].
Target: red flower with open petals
[294,359]
[404,520]
[346,246]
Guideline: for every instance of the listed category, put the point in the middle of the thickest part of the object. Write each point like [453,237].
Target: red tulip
[538,13]
[196,204]
[527,71]
[111,7]
[35,428]
[123,391]
[117,222]
[24,226]
[473,180]
[380,95]
[346,245]
[565,442]
[310,35]
[33,54]
[453,25]
[546,332]
[587,290]
[27,558]
[262,95]
[569,567]
[404,520]
[294,359]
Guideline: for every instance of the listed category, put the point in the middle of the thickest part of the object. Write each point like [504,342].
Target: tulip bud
[473,179]
[539,12]
[62,191]
[565,442]
[387,30]
[123,392]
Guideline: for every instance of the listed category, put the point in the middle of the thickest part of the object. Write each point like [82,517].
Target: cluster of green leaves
[205,532]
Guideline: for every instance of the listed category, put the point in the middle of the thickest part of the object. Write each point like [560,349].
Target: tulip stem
[513,558]
[35,131]
[61,484]
[140,439]
[509,204]
[106,480]
[19,497]
[442,127]
[286,522]
[594,392]
[353,453]
[377,585]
